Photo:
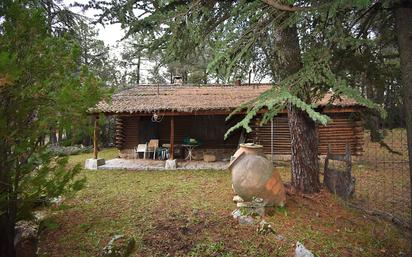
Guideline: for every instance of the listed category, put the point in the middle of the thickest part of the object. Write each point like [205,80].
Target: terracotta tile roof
[189,98]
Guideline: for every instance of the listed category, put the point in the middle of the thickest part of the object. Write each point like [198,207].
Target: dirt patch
[203,234]
[172,236]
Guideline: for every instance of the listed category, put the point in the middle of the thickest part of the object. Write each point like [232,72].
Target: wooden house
[171,113]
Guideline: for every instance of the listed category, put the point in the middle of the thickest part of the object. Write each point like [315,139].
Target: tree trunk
[304,151]
[304,139]
[403,15]
[7,206]
[60,136]
[6,217]
[6,236]
[53,136]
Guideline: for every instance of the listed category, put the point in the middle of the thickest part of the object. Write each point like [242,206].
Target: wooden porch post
[271,139]
[95,136]
[172,137]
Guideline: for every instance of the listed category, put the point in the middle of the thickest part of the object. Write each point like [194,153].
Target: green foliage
[274,101]
[239,35]
[69,150]
[42,86]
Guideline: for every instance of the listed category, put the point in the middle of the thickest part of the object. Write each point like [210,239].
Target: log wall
[343,129]
[127,132]
[132,130]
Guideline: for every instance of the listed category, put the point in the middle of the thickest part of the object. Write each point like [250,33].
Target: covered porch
[186,122]
[172,132]
[183,136]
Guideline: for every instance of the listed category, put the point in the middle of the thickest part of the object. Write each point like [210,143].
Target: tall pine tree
[41,83]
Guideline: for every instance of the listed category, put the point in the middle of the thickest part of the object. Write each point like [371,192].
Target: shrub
[69,150]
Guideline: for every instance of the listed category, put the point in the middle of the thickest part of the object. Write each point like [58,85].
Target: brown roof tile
[190,98]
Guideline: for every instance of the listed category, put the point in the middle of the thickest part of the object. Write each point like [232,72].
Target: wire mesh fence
[382,177]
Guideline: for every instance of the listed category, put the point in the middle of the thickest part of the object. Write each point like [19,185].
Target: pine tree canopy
[43,86]
[338,40]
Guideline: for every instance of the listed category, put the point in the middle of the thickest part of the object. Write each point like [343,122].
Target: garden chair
[141,148]
[152,147]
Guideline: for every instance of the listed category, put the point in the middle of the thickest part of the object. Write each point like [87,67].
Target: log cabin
[173,113]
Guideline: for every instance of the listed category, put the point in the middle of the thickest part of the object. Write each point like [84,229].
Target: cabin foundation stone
[93,164]
[171,164]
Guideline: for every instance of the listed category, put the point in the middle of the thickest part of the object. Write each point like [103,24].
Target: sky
[111,34]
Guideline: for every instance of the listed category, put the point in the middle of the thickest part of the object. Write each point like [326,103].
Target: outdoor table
[189,148]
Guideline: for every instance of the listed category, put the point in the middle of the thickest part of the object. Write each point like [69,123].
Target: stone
[301,251]
[209,157]
[265,228]
[243,219]
[26,238]
[93,164]
[246,220]
[237,199]
[118,246]
[252,208]
[57,201]
[171,164]
[236,214]
[279,237]
[257,200]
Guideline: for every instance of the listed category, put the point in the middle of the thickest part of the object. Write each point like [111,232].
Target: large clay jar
[253,176]
[248,148]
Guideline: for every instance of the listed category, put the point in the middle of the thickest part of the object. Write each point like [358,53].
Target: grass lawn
[188,213]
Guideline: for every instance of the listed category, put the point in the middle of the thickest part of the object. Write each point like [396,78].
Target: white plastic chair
[141,148]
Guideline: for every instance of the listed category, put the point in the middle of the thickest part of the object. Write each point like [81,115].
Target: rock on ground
[118,246]
[301,251]
[171,164]
[92,164]
[265,228]
[243,219]
[237,199]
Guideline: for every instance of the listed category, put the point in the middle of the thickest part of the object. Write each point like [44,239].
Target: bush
[69,150]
